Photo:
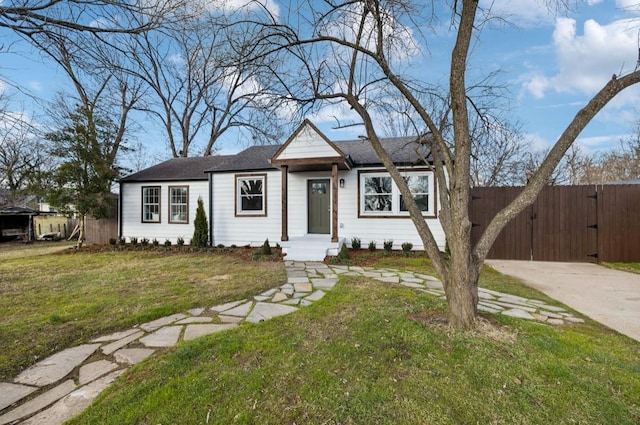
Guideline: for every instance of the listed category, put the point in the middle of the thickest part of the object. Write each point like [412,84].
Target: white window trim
[159,189]
[238,195]
[395,194]
[171,203]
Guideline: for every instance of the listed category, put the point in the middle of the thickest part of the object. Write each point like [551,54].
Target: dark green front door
[318,206]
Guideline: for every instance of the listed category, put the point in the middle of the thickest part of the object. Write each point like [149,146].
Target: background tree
[204,78]
[357,51]
[29,17]
[84,175]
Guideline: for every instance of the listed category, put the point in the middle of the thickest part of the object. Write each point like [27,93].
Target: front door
[318,206]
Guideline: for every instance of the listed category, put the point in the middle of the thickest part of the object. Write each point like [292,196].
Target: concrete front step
[310,248]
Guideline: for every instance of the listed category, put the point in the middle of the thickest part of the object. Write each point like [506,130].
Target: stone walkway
[64,384]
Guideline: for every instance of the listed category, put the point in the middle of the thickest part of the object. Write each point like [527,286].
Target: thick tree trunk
[462,294]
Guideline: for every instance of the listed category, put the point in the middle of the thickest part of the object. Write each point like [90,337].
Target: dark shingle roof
[402,150]
[178,169]
[253,158]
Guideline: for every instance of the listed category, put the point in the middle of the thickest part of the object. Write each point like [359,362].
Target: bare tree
[351,51]
[206,78]
[97,87]
[21,157]
[30,17]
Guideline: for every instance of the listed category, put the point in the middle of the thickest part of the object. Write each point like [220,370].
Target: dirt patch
[487,326]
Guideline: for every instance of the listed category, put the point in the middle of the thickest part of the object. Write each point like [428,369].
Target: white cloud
[537,85]
[522,12]
[586,62]
[629,5]
[36,86]
[228,6]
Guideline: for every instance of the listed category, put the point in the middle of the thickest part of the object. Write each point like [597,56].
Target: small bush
[356,244]
[387,245]
[372,245]
[112,241]
[406,248]
[144,241]
[180,241]
[344,253]
[167,242]
[134,240]
[266,248]
[155,242]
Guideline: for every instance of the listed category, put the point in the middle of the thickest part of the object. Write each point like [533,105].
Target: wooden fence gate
[565,223]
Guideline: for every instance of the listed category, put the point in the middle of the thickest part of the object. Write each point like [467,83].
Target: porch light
[341,183]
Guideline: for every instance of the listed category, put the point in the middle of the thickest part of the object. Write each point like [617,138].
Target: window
[251,195]
[151,204]
[179,204]
[419,187]
[379,195]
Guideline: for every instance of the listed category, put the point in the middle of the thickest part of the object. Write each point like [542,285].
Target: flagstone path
[64,384]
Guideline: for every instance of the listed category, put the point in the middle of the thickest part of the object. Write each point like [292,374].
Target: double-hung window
[419,187]
[251,198]
[151,204]
[379,195]
[178,204]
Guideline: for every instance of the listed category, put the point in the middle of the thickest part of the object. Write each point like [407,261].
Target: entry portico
[308,150]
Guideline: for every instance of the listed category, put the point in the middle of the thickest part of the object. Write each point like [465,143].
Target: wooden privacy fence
[99,231]
[566,223]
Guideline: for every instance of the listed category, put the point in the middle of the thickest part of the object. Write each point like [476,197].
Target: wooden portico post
[285,210]
[334,202]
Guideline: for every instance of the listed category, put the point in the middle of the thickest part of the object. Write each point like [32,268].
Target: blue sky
[551,63]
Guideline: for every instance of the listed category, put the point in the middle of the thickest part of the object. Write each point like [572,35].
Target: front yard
[368,353]
[50,302]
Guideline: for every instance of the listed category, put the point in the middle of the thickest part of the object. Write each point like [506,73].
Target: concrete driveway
[608,296]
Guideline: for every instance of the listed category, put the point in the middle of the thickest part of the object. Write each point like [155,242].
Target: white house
[309,194]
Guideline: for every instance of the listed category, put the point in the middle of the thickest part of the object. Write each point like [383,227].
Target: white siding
[398,229]
[241,231]
[307,144]
[231,230]
[132,225]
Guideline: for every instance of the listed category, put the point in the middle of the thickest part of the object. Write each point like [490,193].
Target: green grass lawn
[51,302]
[374,353]
[368,353]
[627,267]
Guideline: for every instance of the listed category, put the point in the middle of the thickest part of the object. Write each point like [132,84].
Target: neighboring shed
[16,223]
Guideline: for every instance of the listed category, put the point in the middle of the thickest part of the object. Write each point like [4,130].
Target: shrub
[180,241]
[144,241]
[134,240]
[406,248]
[201,228]
[388,245]
[372,245]
[112,241]
[167,242]
[344,253]
[356,243]
[266,248]
[155,242]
